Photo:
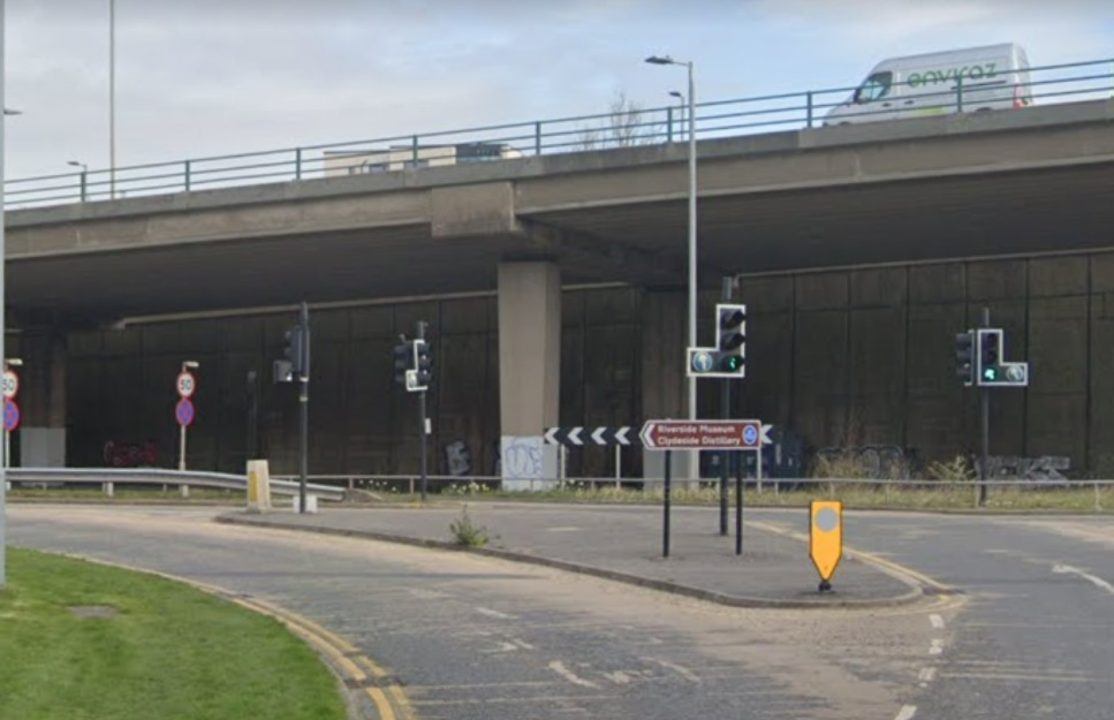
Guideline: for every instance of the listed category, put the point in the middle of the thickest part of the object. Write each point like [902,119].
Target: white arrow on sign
[766,434]
[574,436]
[551,435]
[621,435]
[597,435]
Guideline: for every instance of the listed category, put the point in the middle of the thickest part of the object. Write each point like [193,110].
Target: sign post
[670,435]
[184,412]
[12,413]
[3,261]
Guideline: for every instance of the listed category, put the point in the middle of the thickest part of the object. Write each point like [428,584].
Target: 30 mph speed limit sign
[11,384]
[186,384]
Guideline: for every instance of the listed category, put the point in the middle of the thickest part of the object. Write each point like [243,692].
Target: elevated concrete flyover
[956,186]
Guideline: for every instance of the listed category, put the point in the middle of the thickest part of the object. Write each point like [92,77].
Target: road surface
[475,637]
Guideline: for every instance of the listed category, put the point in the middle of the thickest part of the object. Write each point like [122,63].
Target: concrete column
[529,370]
[42,397]
[664,392]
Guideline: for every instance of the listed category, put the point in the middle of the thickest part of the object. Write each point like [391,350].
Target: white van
[992,77]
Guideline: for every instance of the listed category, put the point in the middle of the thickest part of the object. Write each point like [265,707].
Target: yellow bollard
[259,486]
[825,538]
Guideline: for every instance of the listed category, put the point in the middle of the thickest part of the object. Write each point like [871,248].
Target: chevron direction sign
[580,436]
[704,434]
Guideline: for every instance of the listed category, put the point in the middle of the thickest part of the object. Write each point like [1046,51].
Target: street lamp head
[191,364]
[10,111]
[677,94]
[14,362]
[660,60]
[75,163]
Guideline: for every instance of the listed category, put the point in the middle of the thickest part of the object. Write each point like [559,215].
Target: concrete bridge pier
[529,302]
[42,398]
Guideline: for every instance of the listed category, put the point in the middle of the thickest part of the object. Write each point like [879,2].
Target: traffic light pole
[725,413]
[422,421]
[303,403]
[984,399]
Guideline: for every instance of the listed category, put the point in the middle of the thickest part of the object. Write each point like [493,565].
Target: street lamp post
[681,97]
[84,175]
[112,99]
[3,260]
[666,60]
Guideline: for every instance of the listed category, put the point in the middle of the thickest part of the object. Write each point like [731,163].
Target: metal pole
[3,262]
[665,504]
[618,466]
[422,421]
[303,402]
[694,456]
[181,447]
[740,487]
[84,184]
[984,396]
[725,413]
[112,98]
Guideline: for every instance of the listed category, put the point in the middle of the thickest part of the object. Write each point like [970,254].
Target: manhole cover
[94,612]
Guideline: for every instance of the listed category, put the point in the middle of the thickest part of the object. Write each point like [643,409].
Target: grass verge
[923,497]
[125,494]
[169,651]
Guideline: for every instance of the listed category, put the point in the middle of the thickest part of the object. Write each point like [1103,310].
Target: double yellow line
[355,669]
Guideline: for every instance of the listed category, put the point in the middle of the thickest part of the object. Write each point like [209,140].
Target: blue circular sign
[12,415]
[750,435]
[702,361]
[184,412]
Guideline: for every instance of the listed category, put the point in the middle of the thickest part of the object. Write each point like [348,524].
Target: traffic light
[423,366]
[990,354]
[965,357]
[731,334]
[403,361]
[728,358]
[294,364]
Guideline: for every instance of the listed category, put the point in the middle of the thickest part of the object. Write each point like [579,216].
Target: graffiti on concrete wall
[1045,467]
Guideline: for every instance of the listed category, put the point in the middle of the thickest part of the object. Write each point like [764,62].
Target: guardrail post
[1098,504]
[808,105]
[109,489]
[185,490]
[297,163]
[537,138]
[411,486]
[187,174]
[84,184]
[959,93]
[414,151]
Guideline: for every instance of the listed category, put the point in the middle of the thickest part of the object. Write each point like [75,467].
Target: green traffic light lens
[990,374]
[732,363]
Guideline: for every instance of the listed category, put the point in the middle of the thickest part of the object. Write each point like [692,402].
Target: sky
[208,77]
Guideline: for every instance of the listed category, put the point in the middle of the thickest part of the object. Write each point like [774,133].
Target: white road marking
[494,613]
[679,669]
[559,667]
[1094,580]
[937,647]
[906,712]
[618,677]
[563,528]
[926,676]
[522,644]
[937,621]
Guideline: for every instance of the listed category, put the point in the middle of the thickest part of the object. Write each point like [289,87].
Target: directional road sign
[579,436]
[186,384]
[184,412]
[12,415]
[704,434]
[11,384]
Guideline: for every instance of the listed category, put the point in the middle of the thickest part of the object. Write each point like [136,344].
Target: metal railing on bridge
[1089,80]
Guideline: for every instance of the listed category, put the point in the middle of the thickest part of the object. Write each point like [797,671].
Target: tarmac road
[477,637]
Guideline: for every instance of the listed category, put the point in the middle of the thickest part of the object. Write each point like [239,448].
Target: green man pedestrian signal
[965,357]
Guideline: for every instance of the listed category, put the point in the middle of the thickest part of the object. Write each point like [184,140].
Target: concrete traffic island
[624,544]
